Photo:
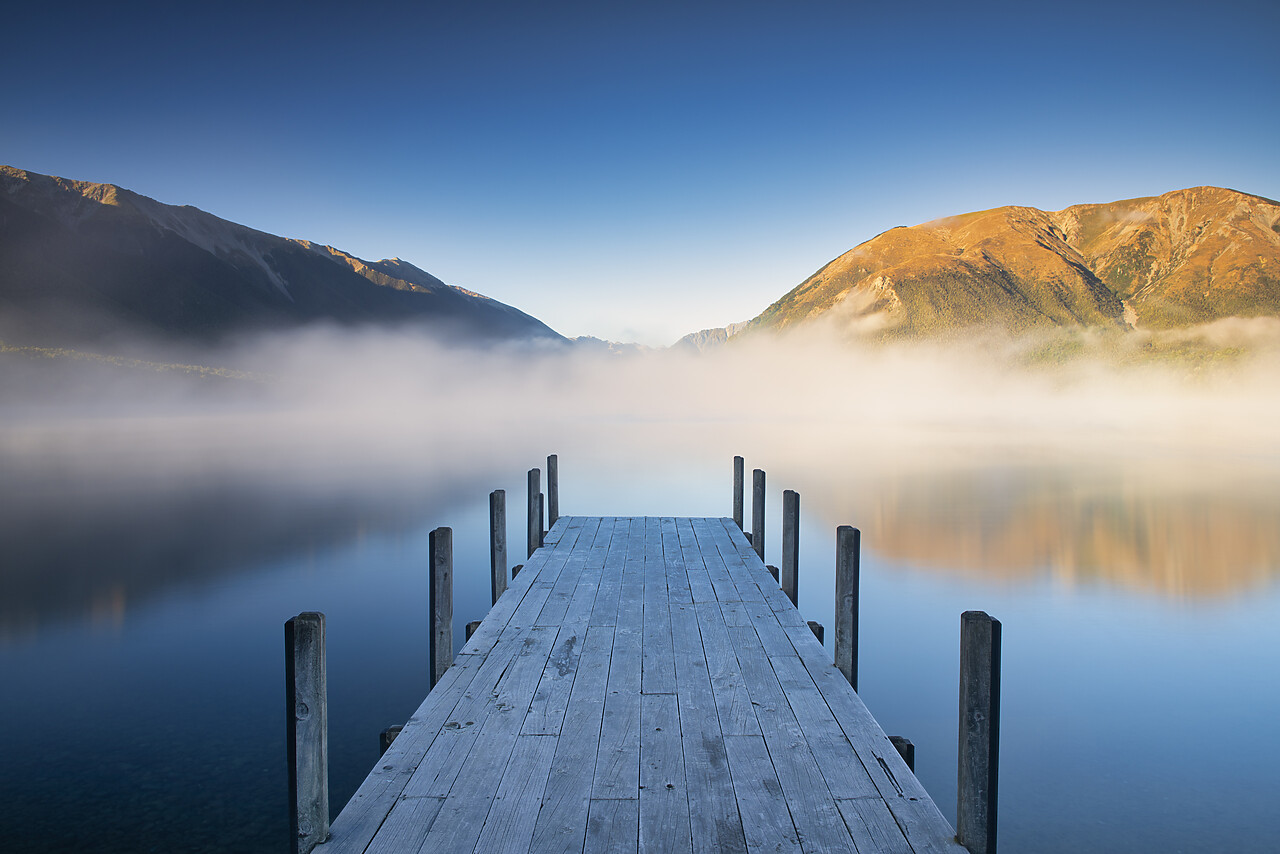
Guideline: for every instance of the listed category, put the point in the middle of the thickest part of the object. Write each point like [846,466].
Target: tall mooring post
[440,594]
[535,511]
[757,512]
[497,543]
[553,490]
[848,545]
[738,483]
[978,761]
[307,714]
[791,545]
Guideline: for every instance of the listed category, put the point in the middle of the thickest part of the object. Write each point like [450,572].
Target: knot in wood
[301,711]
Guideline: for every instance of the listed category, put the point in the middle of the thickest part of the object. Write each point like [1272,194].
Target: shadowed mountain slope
[1185,257]
[80,260]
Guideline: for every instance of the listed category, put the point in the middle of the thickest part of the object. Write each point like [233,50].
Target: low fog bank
[324,402]
[1149,463]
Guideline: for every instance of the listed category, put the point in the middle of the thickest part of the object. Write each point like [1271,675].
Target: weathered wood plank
[561,825]
[658,668]
[766,818]
[457,827]
[664,791]
[872,826]
[613,826]
[713,811]
[509,826]
[604,611]
[733,703]
[551,698]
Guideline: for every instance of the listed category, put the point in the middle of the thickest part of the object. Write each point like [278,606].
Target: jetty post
[440,642]
[978,760]
[307,713]
[553,490]
[498,543]
[757,512]
[848,545]
[791,545]
[535,511]
[738,482]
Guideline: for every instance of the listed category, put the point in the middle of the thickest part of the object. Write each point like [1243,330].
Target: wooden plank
[551,698]
[700,589]
[673,564]
[658,667]
[872,826]
[664,792]
[461,817]
[509,825]
[713,811]
[831,748]
[915,812]
[562,823]
[766,819]
[406,827]
[604,611]
[717,571]
[733,703]
[813,809]
[553,612]
[613,826]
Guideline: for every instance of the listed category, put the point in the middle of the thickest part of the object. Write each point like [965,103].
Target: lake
[152,552]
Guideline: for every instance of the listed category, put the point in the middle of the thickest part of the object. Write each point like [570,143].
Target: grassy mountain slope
[1185,257]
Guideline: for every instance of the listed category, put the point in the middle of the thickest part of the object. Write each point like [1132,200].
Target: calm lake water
[149,566]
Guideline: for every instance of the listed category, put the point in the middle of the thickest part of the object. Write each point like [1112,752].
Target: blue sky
[638,171]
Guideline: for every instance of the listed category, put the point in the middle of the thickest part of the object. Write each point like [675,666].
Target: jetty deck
[642,685]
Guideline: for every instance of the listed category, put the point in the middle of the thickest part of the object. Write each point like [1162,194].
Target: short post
[979,756]
[542,512]
[498,542]
[791,545]
[848,544]
[387,736]
[535,522]
[905,749]
[757,512]
[515,570]
[553,490]
[818,631]
[471,628]
[441,596]
[773,570]
[738,482]
[307,714]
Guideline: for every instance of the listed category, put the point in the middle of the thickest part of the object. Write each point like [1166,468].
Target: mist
[1150,458]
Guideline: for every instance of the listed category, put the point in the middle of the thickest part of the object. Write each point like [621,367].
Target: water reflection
[1210,532]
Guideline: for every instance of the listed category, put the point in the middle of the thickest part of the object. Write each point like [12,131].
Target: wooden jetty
[642,684]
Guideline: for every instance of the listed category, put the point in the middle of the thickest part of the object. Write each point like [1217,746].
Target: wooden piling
[542,508]
[791,545]
[979,755]
[773,570]
[848,546]
[553,490]
[387,736]
[905,749]
[818,630]
[757,512]
[497,543]
[534,538]
[738,482]
[471,628]
[515,570]
[441,602]
[307,714]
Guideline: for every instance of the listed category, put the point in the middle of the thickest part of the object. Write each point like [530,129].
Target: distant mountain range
[1186,257]
[79,261]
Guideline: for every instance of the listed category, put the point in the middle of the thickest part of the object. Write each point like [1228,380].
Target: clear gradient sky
[636,171]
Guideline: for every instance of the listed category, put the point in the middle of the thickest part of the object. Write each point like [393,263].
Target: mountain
[1185,257]
[709,339]
[79,260]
